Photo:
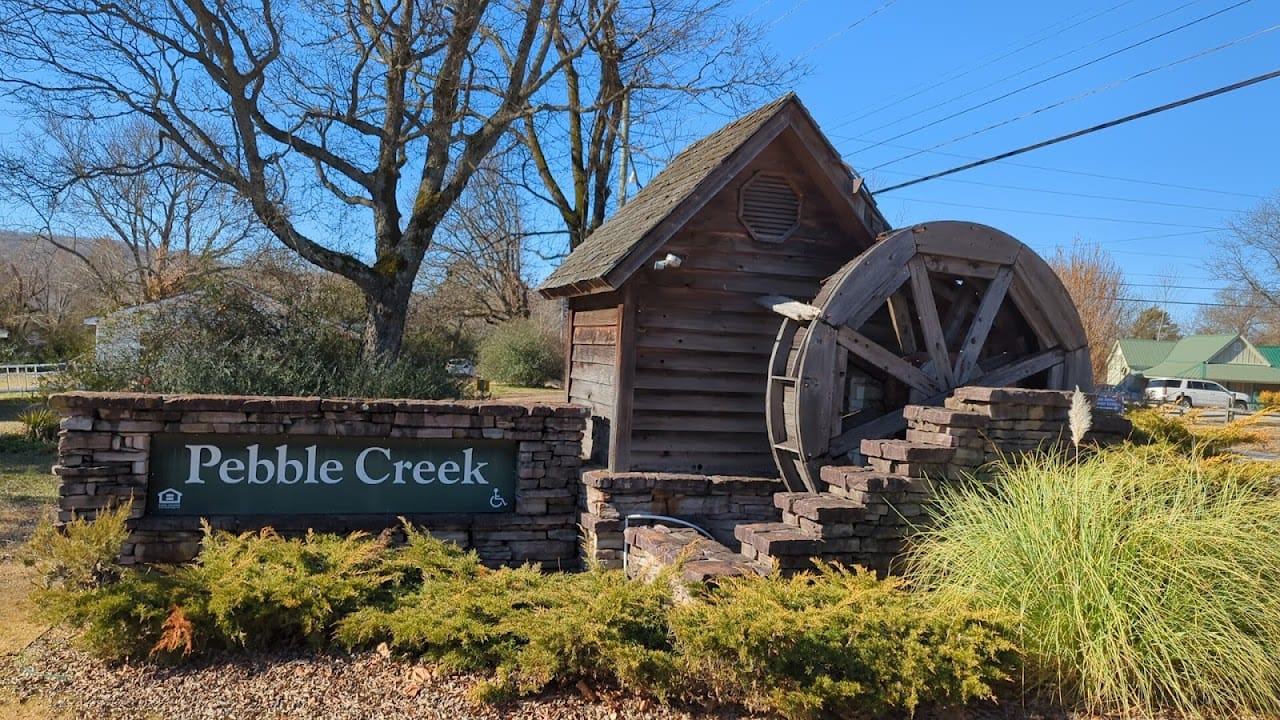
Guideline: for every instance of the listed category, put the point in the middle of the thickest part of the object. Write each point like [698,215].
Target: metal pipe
[626,525]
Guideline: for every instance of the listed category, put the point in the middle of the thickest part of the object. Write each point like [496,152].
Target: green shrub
[262,589]
[249,590]
[80,583]
[80,554]
[531,629]
[40,424]
[1182,431]
[1143,579]
[523,353]
[838,643]
[230,340]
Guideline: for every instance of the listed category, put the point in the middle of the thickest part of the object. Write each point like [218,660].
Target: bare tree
[480,270]
[1241,310]
[42,300]
[323,116]
[645,62]
[1250,255]
[142,235]
[1094,281]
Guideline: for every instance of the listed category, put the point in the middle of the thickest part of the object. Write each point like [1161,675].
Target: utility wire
[1027,69]
[1055,76]
[1090,130]
[1072,216]
[1048,33]
[1064,171]
[1082,95]
[1087,196]
[814,48]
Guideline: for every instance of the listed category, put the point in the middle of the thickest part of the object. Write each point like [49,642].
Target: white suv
[1193,393]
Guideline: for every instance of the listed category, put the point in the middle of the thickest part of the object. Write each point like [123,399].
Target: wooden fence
[28,378]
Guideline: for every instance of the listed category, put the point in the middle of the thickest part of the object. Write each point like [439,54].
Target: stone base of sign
[105,442]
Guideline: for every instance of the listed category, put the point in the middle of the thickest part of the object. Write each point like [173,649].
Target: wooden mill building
[668,344]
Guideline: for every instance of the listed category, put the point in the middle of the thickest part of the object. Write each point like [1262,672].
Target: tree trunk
[384,318]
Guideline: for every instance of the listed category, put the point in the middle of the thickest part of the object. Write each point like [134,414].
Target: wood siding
[702,343]
[592,374]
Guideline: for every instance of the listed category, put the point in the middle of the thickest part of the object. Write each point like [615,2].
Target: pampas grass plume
[1080,416]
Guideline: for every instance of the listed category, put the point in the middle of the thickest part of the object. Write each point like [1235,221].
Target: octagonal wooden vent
[769,207]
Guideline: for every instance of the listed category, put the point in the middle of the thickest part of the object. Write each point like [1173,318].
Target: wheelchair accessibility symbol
[497,501]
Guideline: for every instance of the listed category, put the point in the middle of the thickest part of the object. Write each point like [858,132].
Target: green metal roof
[1271,353]
[1197,349]
[1142,354]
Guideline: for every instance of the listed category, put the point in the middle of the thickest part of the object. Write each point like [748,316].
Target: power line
[1063,73]
[952,77]
[1064,171]
[798,4]
[1172,287]
[813,48]
[1080,96]
[1177,302]
[1090,130]
[1088,196]
[1072,216]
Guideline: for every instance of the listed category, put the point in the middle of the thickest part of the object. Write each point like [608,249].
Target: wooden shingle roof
[618,247]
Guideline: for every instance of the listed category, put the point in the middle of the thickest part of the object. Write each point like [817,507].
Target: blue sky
[891,77]
[1155,193]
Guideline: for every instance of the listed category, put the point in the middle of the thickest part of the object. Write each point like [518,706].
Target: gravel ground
[296,685]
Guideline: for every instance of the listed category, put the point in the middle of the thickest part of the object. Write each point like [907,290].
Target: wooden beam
[624,397]
[953,323]
[854,294]
[961,267]
[969,241]
[935,341]
[867,349]
[903,324]
[992,299]
[1019,370]
[1043,294]
[883,426]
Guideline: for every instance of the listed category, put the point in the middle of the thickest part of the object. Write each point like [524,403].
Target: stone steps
[654,548]
[866,512]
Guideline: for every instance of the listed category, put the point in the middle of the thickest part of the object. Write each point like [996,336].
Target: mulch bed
[294,684]
[298,684]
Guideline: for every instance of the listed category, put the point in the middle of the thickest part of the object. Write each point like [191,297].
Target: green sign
[256,475]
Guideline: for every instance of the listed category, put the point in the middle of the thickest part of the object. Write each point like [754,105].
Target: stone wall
[866,513]
[715,503]
[104,444]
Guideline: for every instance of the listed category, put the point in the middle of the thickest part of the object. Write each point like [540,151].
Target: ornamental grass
[1143,579]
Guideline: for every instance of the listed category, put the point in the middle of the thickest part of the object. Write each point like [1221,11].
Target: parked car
[461,367]
[1194,393]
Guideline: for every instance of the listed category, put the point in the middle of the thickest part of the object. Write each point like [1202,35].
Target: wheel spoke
[877,356]
[953,324]
[934,340]
[903,326]
[1019,370]
[883,426]
[967,362]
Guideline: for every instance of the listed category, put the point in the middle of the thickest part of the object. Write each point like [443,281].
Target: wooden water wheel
[925,310]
